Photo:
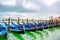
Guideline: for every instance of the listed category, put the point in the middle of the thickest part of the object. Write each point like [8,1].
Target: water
[11,37]
[2,38]
[45,34]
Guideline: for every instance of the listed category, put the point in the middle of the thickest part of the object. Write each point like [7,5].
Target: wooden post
[38,20]
[47,22]
[36,26]
[8,23]
[18,22]
[32,20]
[27,20]
[3,22]
[56,22]
[11,20]
[35,20]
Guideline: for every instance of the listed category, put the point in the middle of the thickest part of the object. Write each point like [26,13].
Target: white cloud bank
[34,6]
[15,15]
[30,5]
[8,2]
[48,2]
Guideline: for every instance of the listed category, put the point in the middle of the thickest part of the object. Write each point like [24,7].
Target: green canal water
[2,38]
[45,34]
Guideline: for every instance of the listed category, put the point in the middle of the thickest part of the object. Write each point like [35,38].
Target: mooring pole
[3,22]
[56,22]
[8,24]
[59,21]
[23,25]
[36,26]
[42,25]
[38,20]
[52,22]
[47,23]
[27,20]
[32,20]
[18,22]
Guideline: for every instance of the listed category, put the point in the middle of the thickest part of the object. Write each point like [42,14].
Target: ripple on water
[11,37]
[46,34]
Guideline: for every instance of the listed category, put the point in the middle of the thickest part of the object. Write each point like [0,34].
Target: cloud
[4,8]
[56,7]
[48,2]
[15,15]
[38,15]
[13,6]
[8,2]
[38,9]
[30,5]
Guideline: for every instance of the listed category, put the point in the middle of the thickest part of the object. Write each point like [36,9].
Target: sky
[37,9]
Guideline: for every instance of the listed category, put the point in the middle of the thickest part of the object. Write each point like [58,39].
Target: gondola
[39,26]
[13,28]
[18,26]
[3,31]
[44,25]
[50,25]
[29,26]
